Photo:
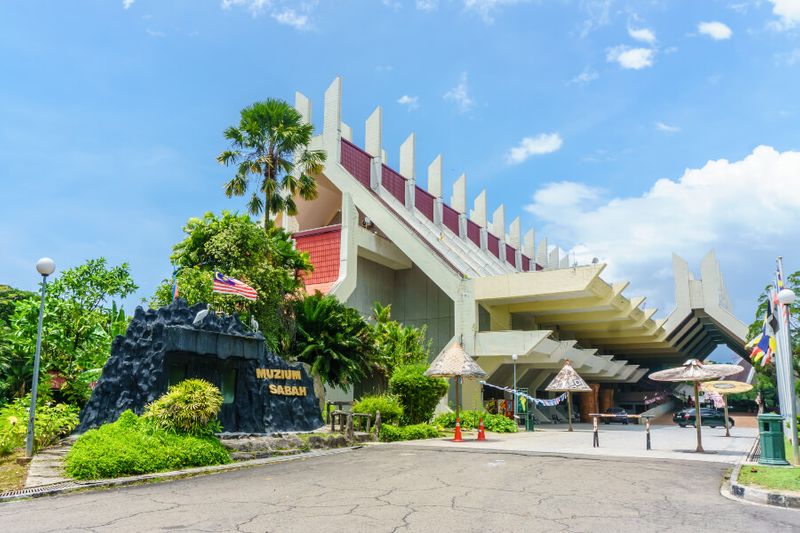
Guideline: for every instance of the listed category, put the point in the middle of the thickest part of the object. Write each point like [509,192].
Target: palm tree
[270,145]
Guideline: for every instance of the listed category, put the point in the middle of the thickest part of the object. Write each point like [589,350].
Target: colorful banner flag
[226,285]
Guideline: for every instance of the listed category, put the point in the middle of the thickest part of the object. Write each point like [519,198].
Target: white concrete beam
[408,157]
[541,253]
[372,141]
[332,120]
[458,200]
[435,177]
[528,244]
[347,132]
[303,106]
[499,222]
[478,213]
[514,233]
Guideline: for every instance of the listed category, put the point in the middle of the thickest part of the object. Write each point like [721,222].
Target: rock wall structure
[137,372]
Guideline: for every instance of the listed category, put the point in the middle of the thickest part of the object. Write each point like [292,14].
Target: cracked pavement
[402,488]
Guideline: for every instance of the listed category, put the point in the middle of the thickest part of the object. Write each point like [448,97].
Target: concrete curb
[760,496]
[72,486]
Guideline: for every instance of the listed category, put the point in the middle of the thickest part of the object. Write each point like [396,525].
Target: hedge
[471,420]
[390,433]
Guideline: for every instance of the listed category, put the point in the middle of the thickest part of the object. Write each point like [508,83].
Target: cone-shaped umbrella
[454,362]
[695,371]
[567,380]
[723,388]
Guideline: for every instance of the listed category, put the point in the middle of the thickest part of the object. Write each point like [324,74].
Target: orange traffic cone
[481,431]
[457,436]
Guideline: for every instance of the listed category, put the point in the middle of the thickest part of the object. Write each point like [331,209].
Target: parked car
[709,416]
[620,415]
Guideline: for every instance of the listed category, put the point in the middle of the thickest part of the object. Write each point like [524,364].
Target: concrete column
[407,168]
[372,145]
[347,132]
[514,233]
[499,229]
[541,253]
[528,244]
[552,260]
[332,121]
[435,177]
[303,106]
[478,214]
[458,201]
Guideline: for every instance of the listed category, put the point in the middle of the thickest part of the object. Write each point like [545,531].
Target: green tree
[334,339]
[77,328]
[270,146]
[236,246]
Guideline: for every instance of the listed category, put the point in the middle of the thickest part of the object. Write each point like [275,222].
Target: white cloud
[643,34]
[788,11]
[460,95]
[290,17]
[486,8]
[631,58]
[155,33]
[544,143]
[660,126]
[412,102]
[598,14]
[427,5]
[716,30]
[747,210]
[587,75]
[255,7]
[126,4]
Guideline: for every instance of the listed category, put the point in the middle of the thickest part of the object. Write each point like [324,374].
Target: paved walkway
[47,466]
[667,442]
[392,488]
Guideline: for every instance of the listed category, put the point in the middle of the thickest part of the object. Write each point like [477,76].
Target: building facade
[375,233]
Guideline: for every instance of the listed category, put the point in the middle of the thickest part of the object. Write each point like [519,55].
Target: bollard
[350,434]
[647,430]
[596,437]
[377,425]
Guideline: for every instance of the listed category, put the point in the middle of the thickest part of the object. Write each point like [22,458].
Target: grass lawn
[12,475]
[771,477]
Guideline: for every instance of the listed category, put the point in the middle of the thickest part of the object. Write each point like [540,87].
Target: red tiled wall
[474,232]
[511,254]
[493,244]
[322,246]
[394,183]
[424,202]
[356,162]
[450,218]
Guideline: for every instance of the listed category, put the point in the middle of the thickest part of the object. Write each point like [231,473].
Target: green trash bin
[530,422]
[770,431]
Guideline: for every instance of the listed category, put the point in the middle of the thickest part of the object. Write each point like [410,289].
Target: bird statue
[254,325]
[198,319]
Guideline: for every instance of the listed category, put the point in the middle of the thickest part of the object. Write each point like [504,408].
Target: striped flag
[226,285]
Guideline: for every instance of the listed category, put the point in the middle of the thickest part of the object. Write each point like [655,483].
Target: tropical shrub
[418,393]
[53,422]
[334,339]
[396,344]
[471,420]
[134,445]
[189,407]
[390,433]
[388,405]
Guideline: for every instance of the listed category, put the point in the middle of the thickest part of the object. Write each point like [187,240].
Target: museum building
[374,233]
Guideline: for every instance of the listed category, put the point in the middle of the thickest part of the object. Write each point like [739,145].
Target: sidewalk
[667,442]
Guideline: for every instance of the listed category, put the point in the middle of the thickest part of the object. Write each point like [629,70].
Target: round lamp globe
[45,266]
[786,296]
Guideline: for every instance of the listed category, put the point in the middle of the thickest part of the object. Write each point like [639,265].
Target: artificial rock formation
[159,341]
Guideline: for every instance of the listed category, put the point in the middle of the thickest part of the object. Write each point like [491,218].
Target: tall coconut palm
[270,147]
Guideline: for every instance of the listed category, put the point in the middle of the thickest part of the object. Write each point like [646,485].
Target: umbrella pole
[698,422]
[569,409]
[458,399]
[727,424]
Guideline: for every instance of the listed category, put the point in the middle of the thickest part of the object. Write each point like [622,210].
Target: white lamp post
[45,266]
[787,297]
[514,358]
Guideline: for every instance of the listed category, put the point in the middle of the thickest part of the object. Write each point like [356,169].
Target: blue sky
[569,112]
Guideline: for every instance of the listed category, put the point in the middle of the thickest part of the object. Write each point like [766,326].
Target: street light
[45,266]
[787,296]
[514,358]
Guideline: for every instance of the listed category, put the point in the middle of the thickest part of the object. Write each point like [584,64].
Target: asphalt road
[394,488]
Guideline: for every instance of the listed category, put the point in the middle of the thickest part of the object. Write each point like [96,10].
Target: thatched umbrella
[695,371]
[567,380]
[723,388]
[454,362]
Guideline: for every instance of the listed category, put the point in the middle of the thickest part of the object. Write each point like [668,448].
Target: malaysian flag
[226,285]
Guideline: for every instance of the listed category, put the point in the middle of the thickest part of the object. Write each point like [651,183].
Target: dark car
[709,416]
[620,415]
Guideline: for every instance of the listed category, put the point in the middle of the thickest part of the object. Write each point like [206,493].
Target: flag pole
[784,313]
